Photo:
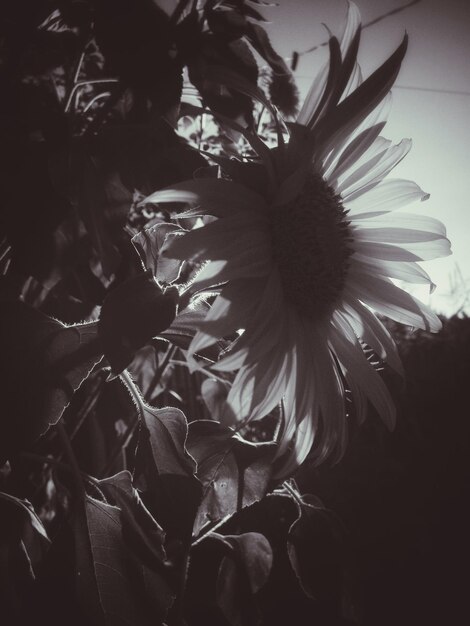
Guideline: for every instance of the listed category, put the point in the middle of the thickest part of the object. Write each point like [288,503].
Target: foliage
[123,499]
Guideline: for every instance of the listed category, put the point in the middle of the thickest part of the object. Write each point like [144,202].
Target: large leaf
[23,541]
[219,59]
[20,523]
[149,243]
[115,585]
[88,193]
[314,547]
[132,313]
[31,226]
[234,472]
[138,523]
[147,157]
[186,324]
[43,363]
[167,471]
[137,41]
[242,573]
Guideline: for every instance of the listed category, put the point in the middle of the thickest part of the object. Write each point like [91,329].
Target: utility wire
[452,92]
[296,55]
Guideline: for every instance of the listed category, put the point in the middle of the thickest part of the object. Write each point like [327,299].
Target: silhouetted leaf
[207,73]
[113,585]
[140,525]
[137,40]
[168,470]
[234,472]
[149,243]
[23,542]
[314,544]
[43,364]
[30,226]
[20,525]
[242,573]
[132,313]
[186,324]
[144,539]
[91,203]
[214,393]
[147,157]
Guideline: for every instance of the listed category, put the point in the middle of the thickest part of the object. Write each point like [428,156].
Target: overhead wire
[296,55]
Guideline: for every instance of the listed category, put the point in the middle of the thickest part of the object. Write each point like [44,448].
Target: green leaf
[137,40]
[185,326]
[138,522]
[214,393]
[149,243]
[227,24]
[314,548]
[91,199]
[219,59]
[234,472]
[114,585]
[167,471]
[43,363]
[22,531]
[242,574]
[147,157]
[259,39]
[132,313]
[23,543]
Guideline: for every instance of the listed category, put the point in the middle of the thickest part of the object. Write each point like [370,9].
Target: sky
[428,106]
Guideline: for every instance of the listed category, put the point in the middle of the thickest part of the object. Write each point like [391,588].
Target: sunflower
[304,247]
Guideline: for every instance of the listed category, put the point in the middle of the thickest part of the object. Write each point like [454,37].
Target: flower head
[305,245]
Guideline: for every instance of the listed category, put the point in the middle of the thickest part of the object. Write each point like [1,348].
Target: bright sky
[438,59]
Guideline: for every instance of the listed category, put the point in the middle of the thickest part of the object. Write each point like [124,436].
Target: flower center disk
[311,238]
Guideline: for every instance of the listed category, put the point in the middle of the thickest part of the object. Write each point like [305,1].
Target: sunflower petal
[424,251]
[340,158]
[412,221]
[218,272]
[395,235]
[408,271]
[387,196]
[263,327]
[363,100]
[350,354]
[373,171]
[371,330]
[214,196]
[383,296]
[220,239]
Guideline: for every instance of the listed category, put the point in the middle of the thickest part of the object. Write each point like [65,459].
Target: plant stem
[126,438]
[47,460]
[170,352]
[178,619]
[122,445]
[77,474]
[74,80]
